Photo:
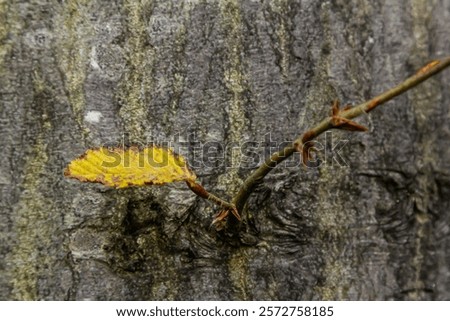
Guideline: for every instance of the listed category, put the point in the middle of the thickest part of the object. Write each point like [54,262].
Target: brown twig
[339,119]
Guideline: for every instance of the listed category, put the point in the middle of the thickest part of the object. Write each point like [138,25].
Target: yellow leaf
[119,168]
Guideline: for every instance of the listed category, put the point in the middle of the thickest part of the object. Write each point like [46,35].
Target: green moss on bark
[136,84]
[32,220]
[234,79]
[73,53]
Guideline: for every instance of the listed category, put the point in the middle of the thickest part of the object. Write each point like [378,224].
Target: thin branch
[345,115]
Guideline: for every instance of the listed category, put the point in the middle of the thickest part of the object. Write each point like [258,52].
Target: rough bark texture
[224,71]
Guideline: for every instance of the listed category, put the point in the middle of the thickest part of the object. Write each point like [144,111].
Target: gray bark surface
[228,72]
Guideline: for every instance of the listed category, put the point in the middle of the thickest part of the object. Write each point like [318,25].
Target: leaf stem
[202,192]
[258,175]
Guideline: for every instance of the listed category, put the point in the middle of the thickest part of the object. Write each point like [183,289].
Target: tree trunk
[371,222]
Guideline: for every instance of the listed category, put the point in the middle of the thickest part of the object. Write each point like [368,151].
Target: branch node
[341,122]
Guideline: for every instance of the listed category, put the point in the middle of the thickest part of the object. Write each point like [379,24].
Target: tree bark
[371,222]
